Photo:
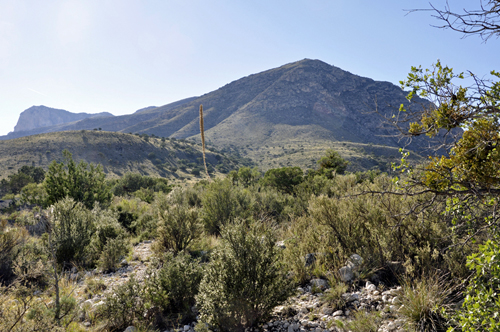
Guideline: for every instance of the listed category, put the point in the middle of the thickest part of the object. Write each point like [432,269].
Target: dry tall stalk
[202,131]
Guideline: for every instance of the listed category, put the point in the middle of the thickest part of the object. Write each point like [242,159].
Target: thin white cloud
[43,94]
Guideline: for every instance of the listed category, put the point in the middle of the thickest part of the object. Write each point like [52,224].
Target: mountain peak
[43,116]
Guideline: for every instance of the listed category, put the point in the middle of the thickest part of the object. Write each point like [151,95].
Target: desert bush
[270,203]
[244,279]
[30,263]
[34,194]
[10,240]
[189,196]
[384,228]
[21,310]
[145,194]
[125,306]
[108,242]
[129,211]
[178,226]
[132,182]
[283,179]
[423,302]
[84,182]
[173,284]
[94,286]
[222,203]
[72,229]
[331,164]
[304,236]
[113,251]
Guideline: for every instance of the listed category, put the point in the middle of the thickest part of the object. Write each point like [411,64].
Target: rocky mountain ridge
[43,116]
[280,117]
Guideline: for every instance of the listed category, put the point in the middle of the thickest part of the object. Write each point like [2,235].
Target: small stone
[130,329]
[385,298]
[395,300]
[319,283]
[346,274]
[356,259]
[338,313]
[187,327]
[351,297]
[391,326]
[327,311]
[393,308]
[371,287]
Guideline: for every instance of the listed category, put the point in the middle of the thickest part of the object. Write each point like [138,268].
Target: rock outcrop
[42,116]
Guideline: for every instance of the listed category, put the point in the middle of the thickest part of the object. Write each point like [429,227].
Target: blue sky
[118,56]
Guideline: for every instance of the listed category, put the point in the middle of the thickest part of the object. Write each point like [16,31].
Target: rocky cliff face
[42,116]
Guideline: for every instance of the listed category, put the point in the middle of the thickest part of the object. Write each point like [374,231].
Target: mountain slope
[118,153]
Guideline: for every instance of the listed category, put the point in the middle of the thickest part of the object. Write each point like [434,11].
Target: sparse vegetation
[215,245]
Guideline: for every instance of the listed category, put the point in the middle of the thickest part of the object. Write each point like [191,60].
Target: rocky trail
[308,310]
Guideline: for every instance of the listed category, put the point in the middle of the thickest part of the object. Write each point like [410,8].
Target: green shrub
[332,163]
[305,236]
[22,311]
[72,229]
[129,211]
[83,182]
[173,284]
[221,203]
[108,242]
[384,228]
[243,281]
[30,263]
[125,306]
[132,182]
[283,179]
[114,250]
[178,226]
[482,301]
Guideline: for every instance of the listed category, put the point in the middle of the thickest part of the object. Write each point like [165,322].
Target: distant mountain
[283,116]
[42,116]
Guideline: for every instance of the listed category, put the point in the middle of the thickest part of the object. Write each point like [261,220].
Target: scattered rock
[327,311]
[346,274]
[319,283]
[130,329]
